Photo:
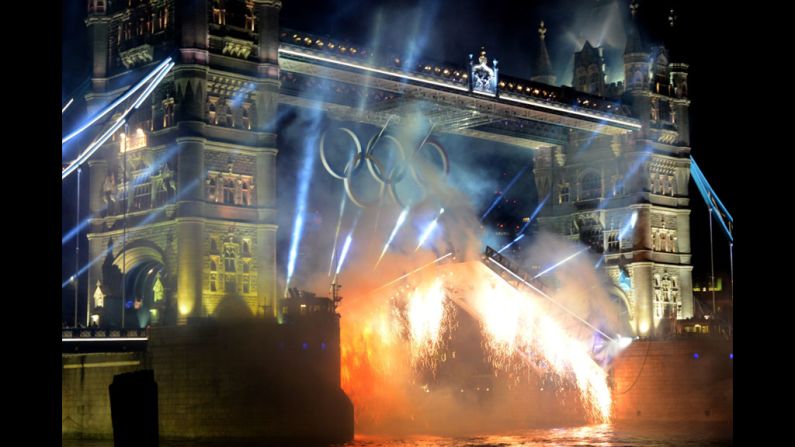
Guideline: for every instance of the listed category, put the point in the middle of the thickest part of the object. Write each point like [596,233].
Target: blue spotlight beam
[337,233]
[561,262]
[93,147]
[304,179]
[711,199]
[527,224]
[63,110]
[398,224]
[415,270]
[145,221]
[118,101]
[344,253]
[703,179]
[429,229]
[505,191]
[518,238]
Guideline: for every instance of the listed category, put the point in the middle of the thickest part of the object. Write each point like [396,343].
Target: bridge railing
[98,333]
[512,267]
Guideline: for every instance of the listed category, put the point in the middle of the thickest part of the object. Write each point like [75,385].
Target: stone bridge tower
[598,183]
[191,182]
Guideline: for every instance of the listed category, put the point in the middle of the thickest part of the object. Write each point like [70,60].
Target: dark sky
[448,31]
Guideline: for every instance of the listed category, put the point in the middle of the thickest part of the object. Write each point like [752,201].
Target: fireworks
[429,317]
[521,332]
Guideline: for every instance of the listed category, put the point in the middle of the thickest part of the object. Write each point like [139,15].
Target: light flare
[429,230]
[429,317]
[344,253]
[561,262]
[398,224]
[514,324]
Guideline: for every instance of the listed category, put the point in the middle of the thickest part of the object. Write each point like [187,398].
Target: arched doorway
[144,294]
[145,276]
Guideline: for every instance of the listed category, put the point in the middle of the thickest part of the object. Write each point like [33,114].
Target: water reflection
[605,435]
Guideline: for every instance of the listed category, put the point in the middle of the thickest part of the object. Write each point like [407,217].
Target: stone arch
[138,252]
[619,296]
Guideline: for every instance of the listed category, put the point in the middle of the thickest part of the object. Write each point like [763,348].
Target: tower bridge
[199,205]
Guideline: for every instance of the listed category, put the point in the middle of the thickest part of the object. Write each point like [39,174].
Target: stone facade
[197,164]
[674,381]
[597,183]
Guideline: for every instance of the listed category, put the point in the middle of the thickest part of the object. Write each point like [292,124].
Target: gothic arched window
[213,274]
[212,114]
[590,186]
[563,196]
[246,121]
[250,17]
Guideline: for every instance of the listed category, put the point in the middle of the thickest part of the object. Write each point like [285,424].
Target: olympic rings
[377,169]
[357,155]
[374,171]
[354,198]
[442,155]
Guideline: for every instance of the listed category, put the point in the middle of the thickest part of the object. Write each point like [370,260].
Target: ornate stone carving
[139,55]
[237,48]
[484,78]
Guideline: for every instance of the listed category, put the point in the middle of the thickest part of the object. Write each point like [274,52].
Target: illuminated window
[246,121]
[250,17]
[213,274]
[212,189]
[229,282]
[142,196]
[230,266]
[612,244]
[96,6]
[219,12]
[228,118]
[245,192]
[162,19]
[212,116]
[246,278]
[245,248]
[168,112]
[229,258]
[228,187]
[590,186]
[126,30]
[563,196]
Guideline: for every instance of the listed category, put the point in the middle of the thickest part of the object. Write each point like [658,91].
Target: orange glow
[387,342]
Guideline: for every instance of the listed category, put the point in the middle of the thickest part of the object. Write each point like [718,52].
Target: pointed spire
[542,71]
[634,41]
[672,39]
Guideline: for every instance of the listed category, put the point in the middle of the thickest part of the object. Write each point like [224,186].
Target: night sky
[448,31]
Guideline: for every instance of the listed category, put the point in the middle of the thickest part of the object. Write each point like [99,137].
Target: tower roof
[588,55]
[672,39]
[635,42]
[542,70]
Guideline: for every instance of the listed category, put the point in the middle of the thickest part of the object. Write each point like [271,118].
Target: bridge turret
[98,24]
[542,71]
[678,69]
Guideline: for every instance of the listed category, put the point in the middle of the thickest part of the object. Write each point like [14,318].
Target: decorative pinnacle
[482,59]
[671,17]
[633,7]
[542,30]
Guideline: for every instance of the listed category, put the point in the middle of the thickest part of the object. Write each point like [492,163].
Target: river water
[659,435]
